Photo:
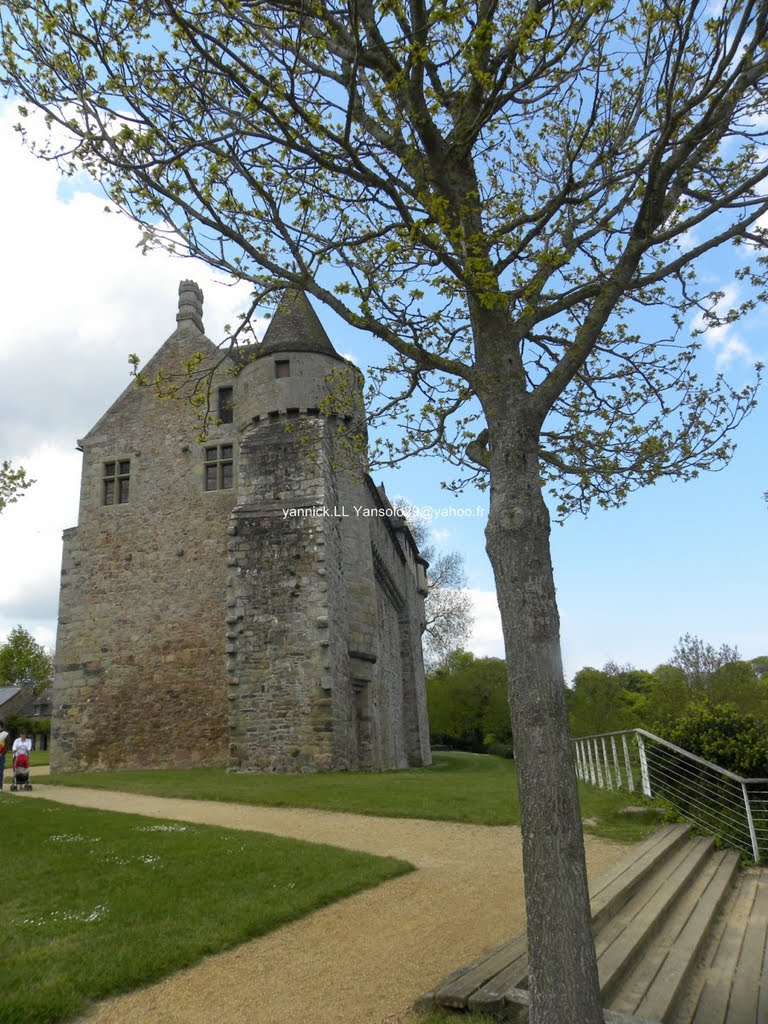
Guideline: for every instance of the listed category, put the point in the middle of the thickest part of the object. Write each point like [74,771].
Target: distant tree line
[468,704]
[707,700]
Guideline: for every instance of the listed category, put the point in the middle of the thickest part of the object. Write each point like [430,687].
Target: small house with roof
[250,599]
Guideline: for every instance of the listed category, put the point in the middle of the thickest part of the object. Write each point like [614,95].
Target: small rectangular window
[218,467]
[116,482]
[226,405]
[282,368]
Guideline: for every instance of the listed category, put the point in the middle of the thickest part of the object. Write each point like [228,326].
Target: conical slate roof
[295,327]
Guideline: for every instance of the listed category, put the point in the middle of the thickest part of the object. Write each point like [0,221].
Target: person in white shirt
[22,743]
[3,744]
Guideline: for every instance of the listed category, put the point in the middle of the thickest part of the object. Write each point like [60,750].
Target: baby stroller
[21,772]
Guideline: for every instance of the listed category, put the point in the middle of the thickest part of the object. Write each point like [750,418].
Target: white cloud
[30,542]
[78,298]
[440,536]
[726,344]
[486,640]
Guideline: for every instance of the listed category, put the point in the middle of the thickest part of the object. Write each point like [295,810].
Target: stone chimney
[190,304]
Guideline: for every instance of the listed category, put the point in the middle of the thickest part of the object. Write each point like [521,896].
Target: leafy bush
[468,704]
[726,737]
[33,726]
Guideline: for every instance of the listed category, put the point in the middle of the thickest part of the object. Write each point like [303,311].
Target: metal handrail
[713,798]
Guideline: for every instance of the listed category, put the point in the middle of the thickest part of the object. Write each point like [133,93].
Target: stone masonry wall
[140,661]
[399,673]
[284,646]
[323,615]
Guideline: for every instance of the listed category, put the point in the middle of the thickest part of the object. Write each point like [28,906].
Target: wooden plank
[506,966]
[521,997]
[680,960]
[745,991]
[713,1002]
[455,993]
[712,1006]
[495,993]
[619,922]
[631,931]
[635,987]
[615,888]
[762,1003]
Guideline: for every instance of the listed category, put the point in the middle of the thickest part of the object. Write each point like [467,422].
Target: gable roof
[189,336]
[8,693]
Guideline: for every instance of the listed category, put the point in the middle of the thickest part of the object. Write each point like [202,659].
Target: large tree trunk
[563,972]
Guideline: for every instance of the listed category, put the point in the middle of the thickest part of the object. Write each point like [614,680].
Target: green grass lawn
[96,903]
[441,1016]
[474,788]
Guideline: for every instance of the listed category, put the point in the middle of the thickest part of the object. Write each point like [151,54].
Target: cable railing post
[751,823]
[598,766]
[628,763]
[644,776]
[606,762]
[592,773]
[616,762]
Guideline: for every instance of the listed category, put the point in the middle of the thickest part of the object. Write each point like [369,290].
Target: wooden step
[733,986]
[653,988]
[494,994]
[616,887]
[627,935]
[486,984]
[478,981]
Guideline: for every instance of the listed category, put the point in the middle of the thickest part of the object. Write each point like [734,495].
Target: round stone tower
[296,371]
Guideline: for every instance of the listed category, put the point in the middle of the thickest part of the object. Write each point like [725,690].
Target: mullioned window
[116,482]
[219,467]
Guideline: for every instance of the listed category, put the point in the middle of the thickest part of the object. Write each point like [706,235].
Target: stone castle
[248,600]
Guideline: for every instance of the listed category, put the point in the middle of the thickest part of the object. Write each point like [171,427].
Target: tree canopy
[468,703]
[13,483]
[553,169]
[503,191]
[699,675]
[698,660]
[25,662]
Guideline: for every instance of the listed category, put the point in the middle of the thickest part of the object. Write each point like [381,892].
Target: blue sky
[78,297]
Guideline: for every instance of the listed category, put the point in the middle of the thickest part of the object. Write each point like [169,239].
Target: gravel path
[364,960]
